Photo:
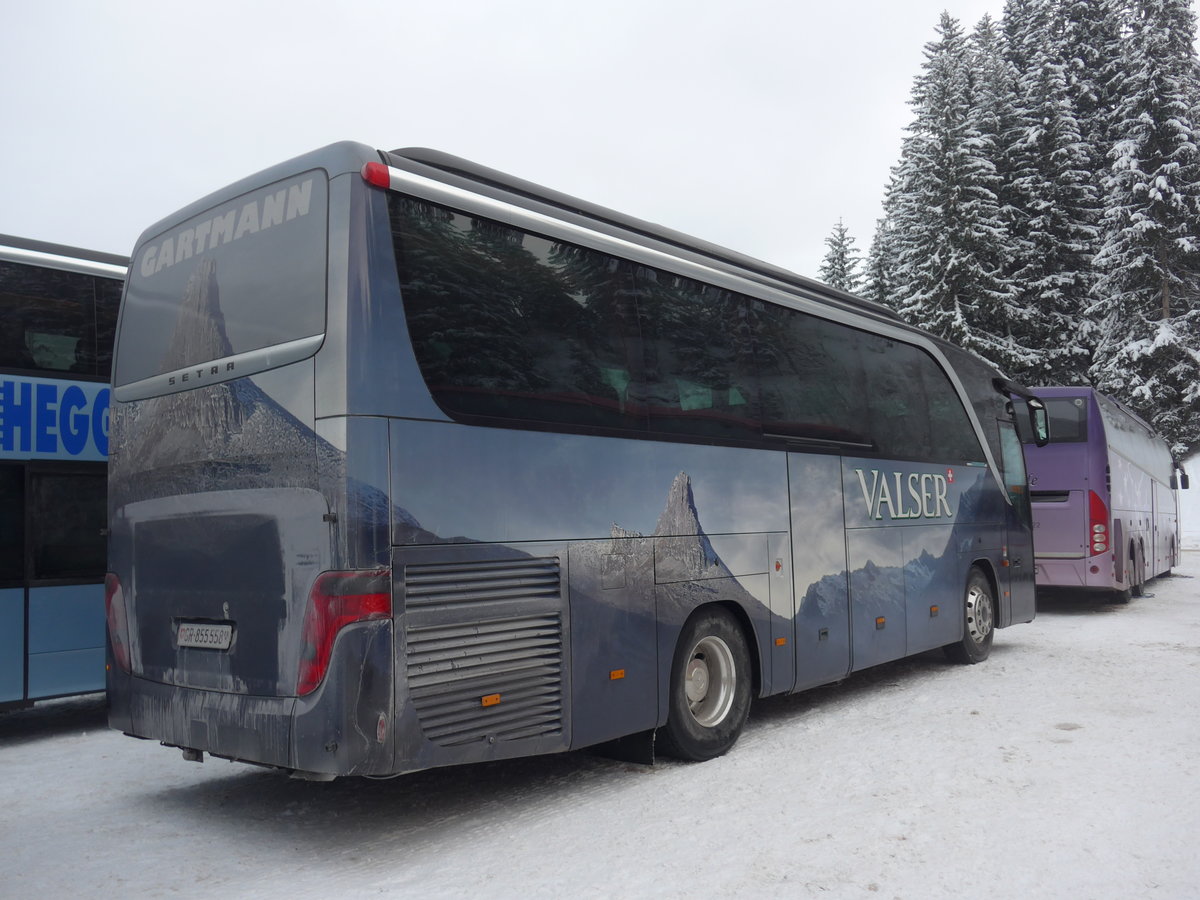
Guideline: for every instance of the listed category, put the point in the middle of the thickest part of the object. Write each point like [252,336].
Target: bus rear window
[244,275]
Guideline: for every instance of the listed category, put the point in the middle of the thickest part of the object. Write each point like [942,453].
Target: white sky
[755,125]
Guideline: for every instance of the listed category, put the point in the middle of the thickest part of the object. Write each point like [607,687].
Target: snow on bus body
[1105,509]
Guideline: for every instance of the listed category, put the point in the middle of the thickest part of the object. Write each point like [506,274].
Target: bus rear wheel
[710,688]
[1139,569]
[1133,583]
[979,620]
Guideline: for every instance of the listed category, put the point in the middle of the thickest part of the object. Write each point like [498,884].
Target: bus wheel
[710,688]
[979,618]
[1139,570]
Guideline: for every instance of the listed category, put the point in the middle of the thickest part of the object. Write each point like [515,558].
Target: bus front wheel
[710,688]
[979,619]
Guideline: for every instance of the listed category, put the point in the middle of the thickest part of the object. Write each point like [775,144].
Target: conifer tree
[1093,65]
[879,277]
[1148,306]
[1054,207]
[945,213]
[840,267]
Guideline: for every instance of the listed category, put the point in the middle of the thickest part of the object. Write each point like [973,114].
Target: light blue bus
[416,464]
[58,306]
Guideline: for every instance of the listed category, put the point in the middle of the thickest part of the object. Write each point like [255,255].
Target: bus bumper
[342,728]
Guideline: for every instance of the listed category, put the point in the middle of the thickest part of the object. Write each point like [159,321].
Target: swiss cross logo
[949,476]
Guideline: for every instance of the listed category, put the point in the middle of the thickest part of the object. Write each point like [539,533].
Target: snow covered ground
[1066,765]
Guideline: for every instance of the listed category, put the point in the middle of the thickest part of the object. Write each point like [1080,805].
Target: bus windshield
[1068,420]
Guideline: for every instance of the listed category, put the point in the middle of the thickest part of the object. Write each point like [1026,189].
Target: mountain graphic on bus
[228,435]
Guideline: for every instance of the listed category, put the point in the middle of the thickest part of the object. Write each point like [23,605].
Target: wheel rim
[979,614]
[709,681]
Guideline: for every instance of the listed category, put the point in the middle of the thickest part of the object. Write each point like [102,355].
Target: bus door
[1018,593]
[821,582]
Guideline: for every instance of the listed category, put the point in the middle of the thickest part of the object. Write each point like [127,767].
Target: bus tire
[710,687]
[1139,569]
[979,621]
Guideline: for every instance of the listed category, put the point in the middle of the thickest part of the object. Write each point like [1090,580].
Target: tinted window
[510,325]
[951,433]
[896,398]
[811,376]
[698,365]
[1015,480]
[244,275]
[108,301]
[67,513]
[978,379]
[1068,419]
[915,412]
[12,523]
[55,321]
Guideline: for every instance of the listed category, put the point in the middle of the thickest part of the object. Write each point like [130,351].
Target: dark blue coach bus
[58,306]
[414,463]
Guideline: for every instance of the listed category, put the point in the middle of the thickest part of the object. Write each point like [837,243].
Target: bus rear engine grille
[432,585]
[491,677]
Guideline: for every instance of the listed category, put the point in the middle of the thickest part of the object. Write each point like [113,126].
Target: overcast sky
[754,124]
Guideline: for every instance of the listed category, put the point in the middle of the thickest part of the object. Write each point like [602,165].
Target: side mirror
[1039,421]
[1179,481]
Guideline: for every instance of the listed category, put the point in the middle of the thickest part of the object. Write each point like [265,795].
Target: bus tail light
[376,174]
[1098,537]
[338,599]
[118,624]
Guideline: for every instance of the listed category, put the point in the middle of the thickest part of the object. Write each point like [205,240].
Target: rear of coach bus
[228,577]
[1070,494]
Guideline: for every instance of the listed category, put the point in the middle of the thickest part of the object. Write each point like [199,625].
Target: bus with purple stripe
[1103,491]
[59,308]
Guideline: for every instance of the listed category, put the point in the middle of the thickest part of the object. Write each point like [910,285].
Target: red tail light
[376,174]
[1098,538]
[118,624]
[338,599]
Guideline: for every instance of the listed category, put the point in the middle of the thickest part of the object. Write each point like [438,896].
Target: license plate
[205,635]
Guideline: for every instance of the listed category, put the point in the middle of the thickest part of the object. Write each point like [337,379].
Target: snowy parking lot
[1066,765]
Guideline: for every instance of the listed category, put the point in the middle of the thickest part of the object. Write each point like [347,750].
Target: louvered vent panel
[485,629]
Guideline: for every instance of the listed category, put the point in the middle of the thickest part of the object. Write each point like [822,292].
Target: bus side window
[108,299]
[1012,461]
[67,546]
[896,397]
[811,377]
[510,325]
[699,375]
[12,523]
[50,319]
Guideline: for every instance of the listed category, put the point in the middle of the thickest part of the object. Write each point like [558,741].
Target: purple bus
[1105,513]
